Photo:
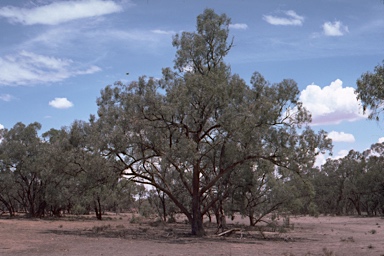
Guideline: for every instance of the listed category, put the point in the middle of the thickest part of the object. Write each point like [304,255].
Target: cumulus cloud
[341,137]
[342,153]
[322,159]
[334,29]
[59,12]
[61,103]
[6,97]
[381,140]
[291,19]
[27,68]
[331,104]
[1,126]
[241,26]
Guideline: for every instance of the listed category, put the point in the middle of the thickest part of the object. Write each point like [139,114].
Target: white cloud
[321,159]
[342,153]
[163,32]
[381,140]
[126,35]
[341,137]
[292,19]
[238,26]
[334,29]
[59,12]
[61,103]
[6,97]
[331,104]
[27,68]
[1,126]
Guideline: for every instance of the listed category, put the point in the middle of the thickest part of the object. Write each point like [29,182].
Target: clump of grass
[102,228]
[370,246]
[373,231]
[60,226]
[348,239]
[327,252]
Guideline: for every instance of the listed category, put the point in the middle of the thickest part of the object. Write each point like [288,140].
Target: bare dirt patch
[118,236]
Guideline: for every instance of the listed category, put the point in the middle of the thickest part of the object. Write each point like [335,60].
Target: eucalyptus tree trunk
[197,217]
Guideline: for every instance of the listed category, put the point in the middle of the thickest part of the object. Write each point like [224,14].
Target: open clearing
[118,236]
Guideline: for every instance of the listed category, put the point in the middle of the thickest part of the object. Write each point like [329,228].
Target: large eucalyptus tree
[186,133]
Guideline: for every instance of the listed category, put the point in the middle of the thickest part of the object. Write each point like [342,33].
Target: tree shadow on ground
[177,233]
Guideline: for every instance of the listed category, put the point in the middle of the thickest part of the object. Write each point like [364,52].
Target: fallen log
[228,232]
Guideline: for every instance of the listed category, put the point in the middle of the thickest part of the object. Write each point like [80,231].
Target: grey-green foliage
[186,132]
[370,90]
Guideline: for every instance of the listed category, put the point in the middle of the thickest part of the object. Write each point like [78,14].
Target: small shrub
[286,221]
[102,228]
[157,223]
[171,219]
[282,229]
[272,225]
[373,231]
[370,246]
[79,210]
[135,219]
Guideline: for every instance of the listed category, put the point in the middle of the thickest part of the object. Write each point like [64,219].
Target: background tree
[370,90]
[8,191]
[194,127]
[22,154]
[96,176]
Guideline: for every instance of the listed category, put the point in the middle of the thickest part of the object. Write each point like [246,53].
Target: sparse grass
[348,239]
[98,229]
[327,252]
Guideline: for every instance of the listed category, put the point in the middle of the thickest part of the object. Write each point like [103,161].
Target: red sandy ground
[118,236]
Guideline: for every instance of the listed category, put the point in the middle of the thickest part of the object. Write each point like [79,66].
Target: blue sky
[56,56]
